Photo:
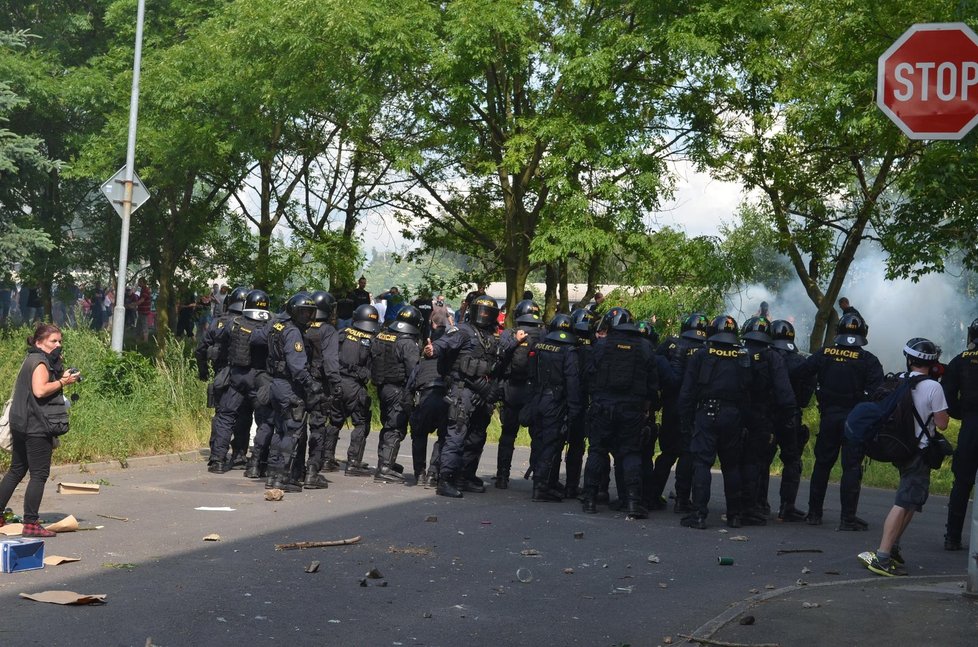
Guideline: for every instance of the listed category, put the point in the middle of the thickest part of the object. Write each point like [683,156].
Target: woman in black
[38,415]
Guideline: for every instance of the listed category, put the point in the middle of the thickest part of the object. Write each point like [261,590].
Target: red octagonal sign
[927,81]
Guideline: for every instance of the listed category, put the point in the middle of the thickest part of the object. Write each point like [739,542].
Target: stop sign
[927,81]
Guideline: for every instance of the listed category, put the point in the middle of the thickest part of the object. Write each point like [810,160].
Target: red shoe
[37,530]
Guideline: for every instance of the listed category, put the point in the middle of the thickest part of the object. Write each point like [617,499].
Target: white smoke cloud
[896,311]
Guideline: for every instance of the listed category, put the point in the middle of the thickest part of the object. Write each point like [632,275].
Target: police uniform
[555,401]
[393,358]
[960,384]
[577,428]
[517,391]
[711,403]
[846,375]
[624,383]
[430,414]
[212,350]
[791,438]
[353,401]
[322,348]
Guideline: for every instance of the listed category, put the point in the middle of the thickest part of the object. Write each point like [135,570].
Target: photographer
[38,415]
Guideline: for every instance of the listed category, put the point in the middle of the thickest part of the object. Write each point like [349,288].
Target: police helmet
[921,351]
[561,322]
[366,318]
[647,328]
[234,301]
[301,309]
[757,329]
[973,333]
[694,326]
[256,306]
[325,305]
[581,319]
[483,312]
[783,335]
[618,318]
[408,320]
[527,313]
[722,329]
[851,330]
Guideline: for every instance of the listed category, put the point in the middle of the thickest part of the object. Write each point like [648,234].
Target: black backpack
[887,424]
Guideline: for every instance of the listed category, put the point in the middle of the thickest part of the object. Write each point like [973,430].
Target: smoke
[936,307]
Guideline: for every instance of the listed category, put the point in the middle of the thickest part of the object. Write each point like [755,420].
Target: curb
[69,469]
[711,627]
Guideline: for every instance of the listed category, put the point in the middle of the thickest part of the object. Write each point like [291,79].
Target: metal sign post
[119,312]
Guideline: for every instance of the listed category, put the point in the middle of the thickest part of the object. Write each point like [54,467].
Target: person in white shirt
[928,399]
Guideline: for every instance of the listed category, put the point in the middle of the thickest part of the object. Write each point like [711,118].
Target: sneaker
[874,565]
[34,529]
[854,524]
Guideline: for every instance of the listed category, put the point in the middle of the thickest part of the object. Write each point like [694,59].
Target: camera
[75,371]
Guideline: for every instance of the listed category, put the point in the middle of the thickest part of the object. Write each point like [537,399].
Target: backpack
[886,425]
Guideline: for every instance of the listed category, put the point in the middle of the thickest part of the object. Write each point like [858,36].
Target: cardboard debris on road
[212,537]
[12,529]
[79,488]
[65,597]
[58,560]
[68,524]
[313,567]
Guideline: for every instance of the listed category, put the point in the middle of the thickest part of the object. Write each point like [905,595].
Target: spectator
[846,308]
[6,287]
[425,306]
[598,300]
[97,307]
[35,307]
[37,416]
[393,301]
[204,310]
[109,303]
[359,295]
[764,311]
[441,319]
[185,315]
[144,306]
[344,309]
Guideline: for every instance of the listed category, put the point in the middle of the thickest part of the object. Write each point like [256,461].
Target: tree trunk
[563,303]
[550,296]
[516,272]
[265,228]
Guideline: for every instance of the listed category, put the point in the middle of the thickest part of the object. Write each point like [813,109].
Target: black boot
[589,501]
[853,523]
[471,484]
[542,493]
[633,505]
[252,470]
[694,520]
[314,480]
[502,480]
[238,460]
[431,481]
[386,474]
[330,465]
[355,468]
[790,514]
[217,467]
[446,487]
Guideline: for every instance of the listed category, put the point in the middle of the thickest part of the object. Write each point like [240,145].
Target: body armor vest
[841,376]
[354,354]
[623,369]
[385,367]
[519,365]
[239,346]
[550,365]
[313,336]
[724,374]
[428,375]
[968,381]
[480,360]
[277,366]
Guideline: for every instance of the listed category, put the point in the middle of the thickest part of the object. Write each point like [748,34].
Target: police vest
[550,359]
[385,367]
[760,383]
[479,361]
[519,365]
[724,374]
[217,352]
[622,369]
[277,366]
[968,380]
[239,346]
[841,376]
[313,337]
[428,375]
[354,347]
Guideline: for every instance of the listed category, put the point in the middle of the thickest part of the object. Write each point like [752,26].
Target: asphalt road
[444,582]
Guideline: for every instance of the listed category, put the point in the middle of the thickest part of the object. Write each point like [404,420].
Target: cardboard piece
[224,508]
[68,524]
[12,529]
[57,560]
[212,537]
[65,597]
[79,488]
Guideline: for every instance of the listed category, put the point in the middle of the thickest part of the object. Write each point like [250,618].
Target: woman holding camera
[38,415]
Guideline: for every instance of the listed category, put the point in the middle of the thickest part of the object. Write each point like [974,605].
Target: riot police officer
[711,403]
[322,347]
[294,390]
[581,320]
[771,406]
[555,379]
[254,384]
[517,388]
[213,349]
[960,384]
[430,414]
[394,354]
[353,401]
[624,385]
[473,356]
[792,436]
[846,374]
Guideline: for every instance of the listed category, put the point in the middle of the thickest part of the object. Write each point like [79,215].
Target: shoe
[217,467]
[431,480]
[682,507]
[471,484]
[693,521]
[897,557]
[659,503]
[853,524]
[589,503]
[635,510]
[397,467]
[571,492]
[790,514]
[331,465]
[813,519]
[291,485]
[542,493]
[357,469]
[952,544]
[385,474]
[282,482]
[501,482]
[252,471]
[765,509]
[315,481]
[34,529]
[447,488]
[238,461]
[753,518]
[734,521]
[603,497]
[872,562]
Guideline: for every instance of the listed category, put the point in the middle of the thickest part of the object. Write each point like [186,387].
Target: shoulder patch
[316,324]
[298,347]
[278,326]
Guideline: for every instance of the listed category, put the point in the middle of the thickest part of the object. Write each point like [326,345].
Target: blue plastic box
[21,555]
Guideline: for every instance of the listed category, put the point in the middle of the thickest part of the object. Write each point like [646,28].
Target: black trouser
[28,454]
[468,419]
[353,403]
[758,444]
[963,466]
[289,415]
[549,430]
[227,413]
[245,382]
[670,449]
[717,432]
[615,428]
[431,414]
[828,443]
[394,414]
[790,439]
[516,394]
[574,458]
